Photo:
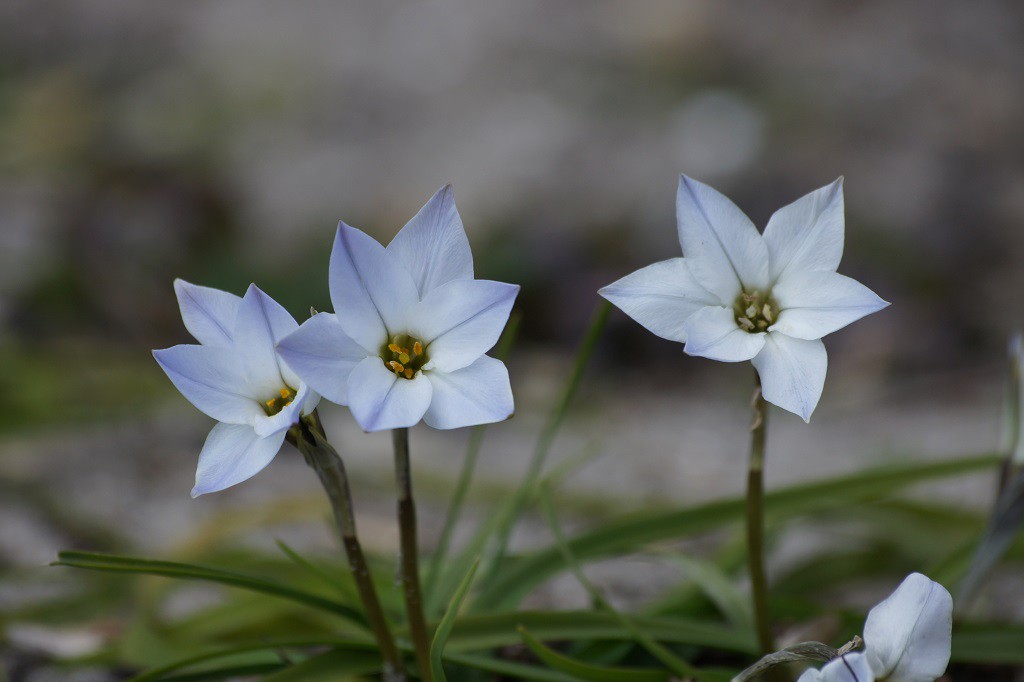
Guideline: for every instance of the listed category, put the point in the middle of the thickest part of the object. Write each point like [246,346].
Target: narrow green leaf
[509,669]
[718,587]
[330,666]
[444,628]
[170,569]
[341,583]
[641,529]
[587,671]
[233,672]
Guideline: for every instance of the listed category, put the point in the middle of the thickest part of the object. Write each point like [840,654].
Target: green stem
[476,439]
[410,555]
[755,523]
[528,485]
[308,436]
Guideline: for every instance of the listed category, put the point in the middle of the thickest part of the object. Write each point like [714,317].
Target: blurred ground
[222,141]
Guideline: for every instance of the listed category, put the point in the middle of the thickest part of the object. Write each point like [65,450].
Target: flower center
[404,355]
[755,311]
[284,398]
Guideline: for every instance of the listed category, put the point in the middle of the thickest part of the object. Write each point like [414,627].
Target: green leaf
[272,646]
[713,582]
[170,569]
[641,529]
[490,631]
[1001,644]
[509,669]
[587,671]
[444,628]
[330,666]
[226,673]
[340,583]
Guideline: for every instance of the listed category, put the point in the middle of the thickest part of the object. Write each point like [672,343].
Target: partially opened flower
[410,328]
[907,638]
[739,295]
[236,377]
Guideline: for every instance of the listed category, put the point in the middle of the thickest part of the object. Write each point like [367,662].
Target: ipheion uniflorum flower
[739,295]
[235,376]
[411,327]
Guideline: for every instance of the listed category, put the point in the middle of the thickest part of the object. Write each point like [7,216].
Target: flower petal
[725,251]
[848,668]
[461,320]
[712,332]
[370,289]
[907,636]
[792,373]
[289,416]
[260,324]
[232,454]
[208,314]
[433,246]
[818,303]
[322,355]
[660,297]
[211,378]
[379,400]
[478,394]
[807,235]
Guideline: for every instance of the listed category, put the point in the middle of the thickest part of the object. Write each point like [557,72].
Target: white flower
[907,638]
[410,328]
[739,295]
[236,377]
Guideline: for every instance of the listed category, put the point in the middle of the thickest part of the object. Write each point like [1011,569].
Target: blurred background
[222,141]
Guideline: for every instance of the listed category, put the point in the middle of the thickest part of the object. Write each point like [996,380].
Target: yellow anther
[284,392]
[408,373]
[396,366]
[288,403]
[270,403]
[767,312]
[394,348]
[403,358]
[417,349]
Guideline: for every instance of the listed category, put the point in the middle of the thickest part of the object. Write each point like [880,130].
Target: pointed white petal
[322,355]
[461,320]
[818,303]
[208,314]
[211,378]
[792,373]
[478,394]
[807,235]
[661,297]
[810,675]
[712,332]
[260,324]
[849,668]
[724,249]
[370,289]
[287,417]
[379,400]
[433,246]
[232,454]
[907,636]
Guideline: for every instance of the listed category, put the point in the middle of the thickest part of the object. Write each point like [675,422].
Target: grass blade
[586,671]
[444,628]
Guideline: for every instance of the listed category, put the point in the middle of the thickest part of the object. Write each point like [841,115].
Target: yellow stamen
[408,373]
[270,403]
[284,392]
[403,358]
[394,348]
[417,348]
[396,366]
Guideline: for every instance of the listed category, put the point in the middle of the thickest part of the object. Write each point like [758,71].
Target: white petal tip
[196,492]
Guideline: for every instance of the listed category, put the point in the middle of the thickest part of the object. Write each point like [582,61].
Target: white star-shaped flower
[235,376]
[739,295]
[411,327]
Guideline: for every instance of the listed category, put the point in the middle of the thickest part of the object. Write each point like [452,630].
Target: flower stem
[410,555]
[755,522]
[308,436]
